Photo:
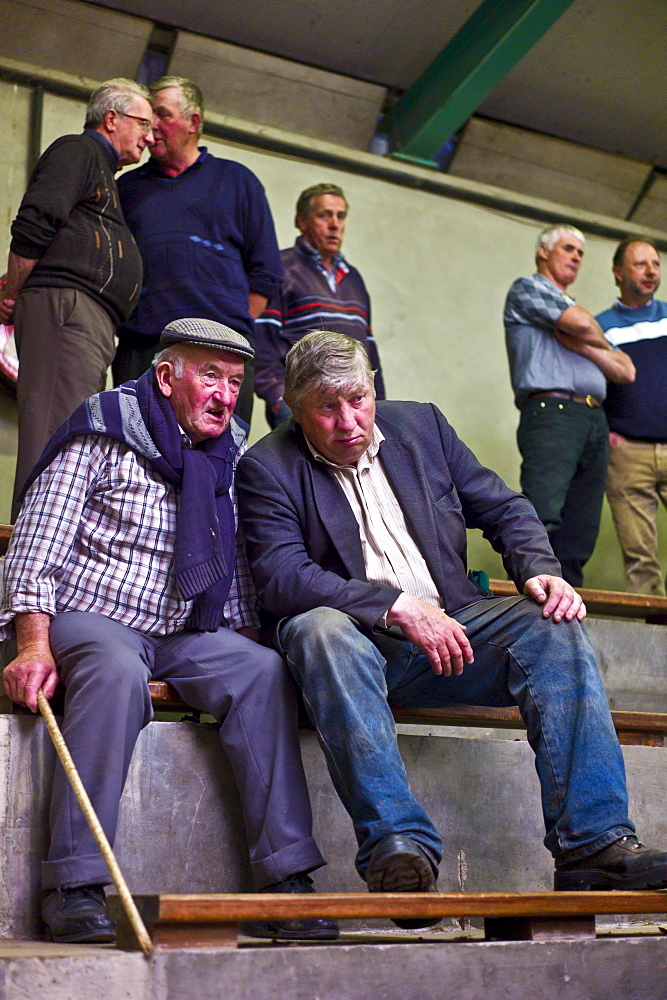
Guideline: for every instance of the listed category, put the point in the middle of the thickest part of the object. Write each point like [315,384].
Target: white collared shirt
[391,555]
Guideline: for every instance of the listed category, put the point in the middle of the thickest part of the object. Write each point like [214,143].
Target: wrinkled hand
[615,439]
[441,638]
[33,668]
[560,600]
[7,310]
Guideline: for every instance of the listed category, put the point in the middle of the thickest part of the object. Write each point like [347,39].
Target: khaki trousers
[636,480]
[65,344]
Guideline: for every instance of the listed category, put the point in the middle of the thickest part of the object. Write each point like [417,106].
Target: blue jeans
[349,678]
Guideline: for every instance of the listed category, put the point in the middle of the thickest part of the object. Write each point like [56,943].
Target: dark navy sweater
[206,238]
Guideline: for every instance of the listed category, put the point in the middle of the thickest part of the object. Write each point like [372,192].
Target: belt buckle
[589,401]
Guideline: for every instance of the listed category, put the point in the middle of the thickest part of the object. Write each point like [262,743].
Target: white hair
[550,236]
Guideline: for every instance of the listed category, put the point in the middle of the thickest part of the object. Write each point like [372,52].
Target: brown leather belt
[573,398]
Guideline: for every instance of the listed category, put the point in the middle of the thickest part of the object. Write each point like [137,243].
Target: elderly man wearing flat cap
[126,566]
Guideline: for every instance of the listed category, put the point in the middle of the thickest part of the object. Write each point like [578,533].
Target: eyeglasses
[144,123]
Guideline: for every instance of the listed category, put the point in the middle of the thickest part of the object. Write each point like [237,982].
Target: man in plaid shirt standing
[126,566]
[559,363]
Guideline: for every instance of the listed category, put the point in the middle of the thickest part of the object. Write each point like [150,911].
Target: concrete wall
[180,828]
[437,269]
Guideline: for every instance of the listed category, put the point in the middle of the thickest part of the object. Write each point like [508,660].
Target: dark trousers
[131,362]
[65,344]
[565,447]
[106,667]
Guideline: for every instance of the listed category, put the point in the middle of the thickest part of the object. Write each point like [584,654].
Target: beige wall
[437,270]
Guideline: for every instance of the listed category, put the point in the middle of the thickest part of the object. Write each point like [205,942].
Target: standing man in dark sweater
[321,291]
[205,232]
[74,271]
[637,413]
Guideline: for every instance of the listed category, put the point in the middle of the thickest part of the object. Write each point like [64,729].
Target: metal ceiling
[595,76]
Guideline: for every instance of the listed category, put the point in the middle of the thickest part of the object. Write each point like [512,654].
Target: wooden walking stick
[94,824]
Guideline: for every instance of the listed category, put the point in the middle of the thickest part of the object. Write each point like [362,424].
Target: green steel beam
[484,50]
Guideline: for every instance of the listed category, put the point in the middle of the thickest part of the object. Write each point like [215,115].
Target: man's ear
[111,120]
[295,412]
[195,121]
[301,223]
[164,373]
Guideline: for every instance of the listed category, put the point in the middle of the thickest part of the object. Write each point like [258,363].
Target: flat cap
[208,333]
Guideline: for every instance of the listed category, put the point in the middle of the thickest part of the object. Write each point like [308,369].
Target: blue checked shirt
[96,533]
[537,361]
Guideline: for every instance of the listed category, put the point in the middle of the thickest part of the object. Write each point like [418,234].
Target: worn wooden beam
[181,920]
[5,532]
[645,728]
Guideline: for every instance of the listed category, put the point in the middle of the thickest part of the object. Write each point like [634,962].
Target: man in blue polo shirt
[559,363]
[205,232]
[637,413]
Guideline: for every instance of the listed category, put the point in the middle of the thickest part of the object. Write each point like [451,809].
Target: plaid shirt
[96,533]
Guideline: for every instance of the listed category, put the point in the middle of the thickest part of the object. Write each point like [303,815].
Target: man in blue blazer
[355,520]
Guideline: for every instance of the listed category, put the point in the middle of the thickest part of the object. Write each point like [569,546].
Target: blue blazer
[303,540]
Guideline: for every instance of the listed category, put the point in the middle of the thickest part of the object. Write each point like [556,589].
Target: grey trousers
[105,667]
[65,343]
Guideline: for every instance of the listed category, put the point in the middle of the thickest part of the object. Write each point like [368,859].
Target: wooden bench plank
[5,532]
[647,728]
[190,920]
[212,907]
[632,728]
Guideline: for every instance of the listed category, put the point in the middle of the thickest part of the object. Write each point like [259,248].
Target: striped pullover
[307,302]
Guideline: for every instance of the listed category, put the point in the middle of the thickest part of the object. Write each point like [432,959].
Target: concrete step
[398,967]
[633,663]
[181,829]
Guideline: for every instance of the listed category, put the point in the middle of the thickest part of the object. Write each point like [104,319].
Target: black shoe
[78,916]
[293,930]
[398,864]
[625,864]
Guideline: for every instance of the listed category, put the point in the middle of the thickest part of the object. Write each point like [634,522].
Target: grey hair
[329,362]
[174,356]
[190,97]
[550,236]
[117,95]
[304,204]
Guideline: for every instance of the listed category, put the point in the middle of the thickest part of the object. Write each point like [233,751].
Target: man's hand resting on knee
[439,637]
[560,600]
[34,667]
